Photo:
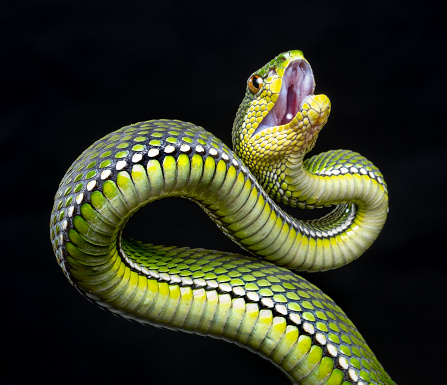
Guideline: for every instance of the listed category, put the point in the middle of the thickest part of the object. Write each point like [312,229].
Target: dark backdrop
[73,71]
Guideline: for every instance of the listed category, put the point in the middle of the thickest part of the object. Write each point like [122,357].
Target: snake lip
[297,83]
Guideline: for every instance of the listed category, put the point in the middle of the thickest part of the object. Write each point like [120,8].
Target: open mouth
[297,83]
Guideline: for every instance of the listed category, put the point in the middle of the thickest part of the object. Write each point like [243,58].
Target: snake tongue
[297,84]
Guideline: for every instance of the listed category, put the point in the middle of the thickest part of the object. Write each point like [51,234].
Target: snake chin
[297,85]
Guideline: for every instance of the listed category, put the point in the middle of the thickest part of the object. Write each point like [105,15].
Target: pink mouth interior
[297,84]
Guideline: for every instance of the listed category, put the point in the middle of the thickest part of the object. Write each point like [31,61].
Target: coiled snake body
[257,303]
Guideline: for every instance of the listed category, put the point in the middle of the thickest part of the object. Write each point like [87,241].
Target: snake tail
[255,301]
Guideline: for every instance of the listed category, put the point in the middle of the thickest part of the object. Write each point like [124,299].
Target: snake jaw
[297,84]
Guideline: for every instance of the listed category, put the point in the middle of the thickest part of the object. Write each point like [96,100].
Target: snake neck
[341,178]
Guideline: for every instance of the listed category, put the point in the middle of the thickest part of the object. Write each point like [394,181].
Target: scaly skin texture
[241,299]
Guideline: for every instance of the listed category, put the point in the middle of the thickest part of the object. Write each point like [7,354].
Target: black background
[72,71]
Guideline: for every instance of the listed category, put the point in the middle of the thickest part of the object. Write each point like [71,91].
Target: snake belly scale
[256,301]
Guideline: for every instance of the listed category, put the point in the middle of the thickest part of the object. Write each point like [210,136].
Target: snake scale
[257,301]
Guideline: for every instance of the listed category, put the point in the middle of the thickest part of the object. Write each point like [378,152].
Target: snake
[257,301]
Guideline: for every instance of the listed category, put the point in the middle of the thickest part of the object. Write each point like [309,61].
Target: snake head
[279,115]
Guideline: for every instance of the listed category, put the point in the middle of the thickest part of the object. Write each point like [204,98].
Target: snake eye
[254,83]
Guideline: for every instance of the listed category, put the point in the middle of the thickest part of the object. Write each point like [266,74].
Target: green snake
[257,302]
